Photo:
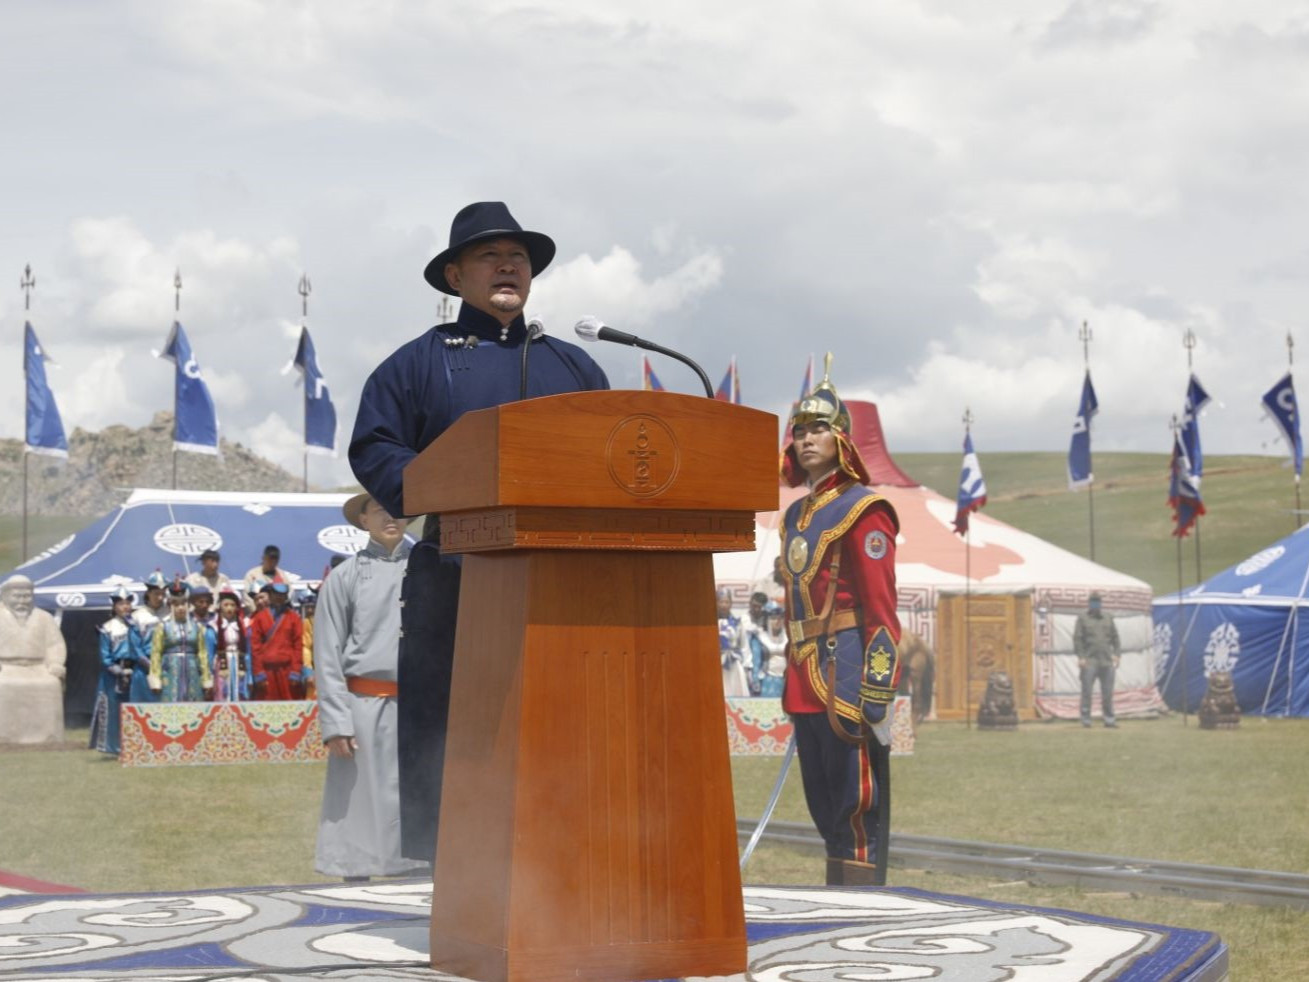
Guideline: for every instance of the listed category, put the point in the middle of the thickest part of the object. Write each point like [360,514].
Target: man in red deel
[277,647]
[838,549]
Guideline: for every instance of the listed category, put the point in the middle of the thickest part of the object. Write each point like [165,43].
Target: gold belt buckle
[796,630]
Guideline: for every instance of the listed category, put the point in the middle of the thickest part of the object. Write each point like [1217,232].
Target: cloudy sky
[937,192]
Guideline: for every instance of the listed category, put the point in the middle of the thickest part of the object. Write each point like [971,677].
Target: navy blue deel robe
[409,401]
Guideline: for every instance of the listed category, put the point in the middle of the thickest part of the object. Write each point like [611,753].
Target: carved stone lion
[997,711]
[1219,709]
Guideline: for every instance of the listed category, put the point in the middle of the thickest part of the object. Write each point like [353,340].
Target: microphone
[535,328]
[592,328]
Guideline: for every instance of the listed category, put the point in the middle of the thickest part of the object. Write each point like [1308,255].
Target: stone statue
[1219,709]
[32,657]
[997,709]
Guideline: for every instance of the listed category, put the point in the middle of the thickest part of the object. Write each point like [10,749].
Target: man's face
[209,566]
[201,605]
[815,448]
[122,607]
[270,561]
[379,524]
[19,600]
[494,276]
[261,600]
[154,597]
[724,606]
[276,598]
[757,607]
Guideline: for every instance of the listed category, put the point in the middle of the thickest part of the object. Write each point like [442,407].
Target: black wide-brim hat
[478,222]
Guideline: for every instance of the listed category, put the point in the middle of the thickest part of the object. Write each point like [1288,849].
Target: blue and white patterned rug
[379,931]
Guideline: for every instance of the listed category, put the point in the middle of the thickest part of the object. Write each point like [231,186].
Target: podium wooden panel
[587,826]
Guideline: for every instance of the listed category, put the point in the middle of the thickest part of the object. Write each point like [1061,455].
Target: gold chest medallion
[797,555]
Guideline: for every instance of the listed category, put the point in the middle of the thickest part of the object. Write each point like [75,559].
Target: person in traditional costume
[230,663]
[356,648]
[731,646]
[117,662]
[307,601]
[768,648]
[179,657]
[410,399]
[838,543]
[144,620]
[202,609]
[277,646]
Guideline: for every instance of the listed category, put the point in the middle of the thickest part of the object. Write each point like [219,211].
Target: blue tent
[1245,620]
[167,531]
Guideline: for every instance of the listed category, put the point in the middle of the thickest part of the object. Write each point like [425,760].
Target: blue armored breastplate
[805,549]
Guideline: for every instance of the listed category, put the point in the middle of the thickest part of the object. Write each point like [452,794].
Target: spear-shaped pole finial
[304,288]
[177,290]
[27,284]
[967,419]
[1084,335]
[1188,342]
[1290,350]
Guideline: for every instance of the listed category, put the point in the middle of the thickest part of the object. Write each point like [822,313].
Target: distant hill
[1250,502]
[103,467]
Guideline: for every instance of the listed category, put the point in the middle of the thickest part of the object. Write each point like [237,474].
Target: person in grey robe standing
[356,649]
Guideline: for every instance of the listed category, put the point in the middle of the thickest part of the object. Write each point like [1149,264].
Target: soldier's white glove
[882,730]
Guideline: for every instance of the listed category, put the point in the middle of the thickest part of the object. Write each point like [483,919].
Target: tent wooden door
[977,635]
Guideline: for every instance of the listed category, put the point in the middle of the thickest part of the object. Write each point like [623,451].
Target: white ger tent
[1008,601]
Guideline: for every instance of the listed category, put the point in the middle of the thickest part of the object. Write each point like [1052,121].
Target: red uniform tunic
[865,583]
[277,653]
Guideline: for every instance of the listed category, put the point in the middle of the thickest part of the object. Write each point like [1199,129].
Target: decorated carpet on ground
[379,931]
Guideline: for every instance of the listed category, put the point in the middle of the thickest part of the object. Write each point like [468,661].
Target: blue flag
[972,487]
[45,430]
[1079,451]
[1183,489]
[195,425]
[1282,407]
[1196,399]
[320,414]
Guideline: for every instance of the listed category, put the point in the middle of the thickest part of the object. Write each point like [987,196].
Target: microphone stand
[704,379]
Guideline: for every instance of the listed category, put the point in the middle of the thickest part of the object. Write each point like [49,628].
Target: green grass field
[1151,789]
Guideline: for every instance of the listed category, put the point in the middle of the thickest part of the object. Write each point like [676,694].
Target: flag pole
[177,316]
[27,284]
[1084,335]
[1188,342]
[304,288]
[968,602]
[1181,601]
[1290,364]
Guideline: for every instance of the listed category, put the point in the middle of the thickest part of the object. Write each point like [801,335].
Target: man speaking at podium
[411,398]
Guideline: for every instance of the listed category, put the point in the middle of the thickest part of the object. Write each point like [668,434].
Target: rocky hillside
[102,468]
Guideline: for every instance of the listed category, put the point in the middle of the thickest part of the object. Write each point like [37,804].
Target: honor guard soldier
[838,549]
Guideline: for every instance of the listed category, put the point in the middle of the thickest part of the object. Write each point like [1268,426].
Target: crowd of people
[752,646]
[206,637]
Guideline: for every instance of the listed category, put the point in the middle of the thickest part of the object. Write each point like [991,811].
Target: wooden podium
[587,827]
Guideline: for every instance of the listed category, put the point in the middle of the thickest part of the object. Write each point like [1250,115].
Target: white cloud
[616,289]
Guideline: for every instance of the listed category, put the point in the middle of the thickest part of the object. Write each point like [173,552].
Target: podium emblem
[643,456]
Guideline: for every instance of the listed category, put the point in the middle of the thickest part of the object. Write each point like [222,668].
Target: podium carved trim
[492,529]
